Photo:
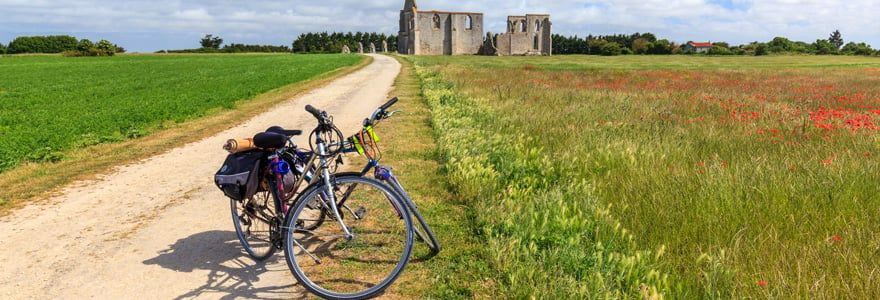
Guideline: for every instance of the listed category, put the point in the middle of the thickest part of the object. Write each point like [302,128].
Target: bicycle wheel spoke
[368,259]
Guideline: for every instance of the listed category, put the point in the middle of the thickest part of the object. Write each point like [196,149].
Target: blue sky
[150,25]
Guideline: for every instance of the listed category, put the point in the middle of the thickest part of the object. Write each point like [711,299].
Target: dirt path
[159,229]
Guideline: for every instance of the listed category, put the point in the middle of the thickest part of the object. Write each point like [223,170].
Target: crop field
[709,177]
[49,105]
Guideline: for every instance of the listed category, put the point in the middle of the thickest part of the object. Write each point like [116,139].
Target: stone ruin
[373,48]
[360,48]
[346,50]
[431,32]
[384,46]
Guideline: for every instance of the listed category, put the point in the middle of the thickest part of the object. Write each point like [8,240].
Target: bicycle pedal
[360,212]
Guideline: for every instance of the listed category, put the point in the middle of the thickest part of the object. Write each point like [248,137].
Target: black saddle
[270,140]
[282,131]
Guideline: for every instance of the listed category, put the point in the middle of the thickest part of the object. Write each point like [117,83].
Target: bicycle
[371,245]
[365,143]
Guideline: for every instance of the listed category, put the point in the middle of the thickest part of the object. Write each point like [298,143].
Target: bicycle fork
[325,172]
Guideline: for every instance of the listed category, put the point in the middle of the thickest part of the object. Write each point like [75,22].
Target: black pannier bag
[239,177]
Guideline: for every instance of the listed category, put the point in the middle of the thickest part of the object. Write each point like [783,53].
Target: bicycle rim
[253,224]
[331,266]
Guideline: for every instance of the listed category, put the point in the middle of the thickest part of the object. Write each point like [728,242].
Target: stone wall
[451,36]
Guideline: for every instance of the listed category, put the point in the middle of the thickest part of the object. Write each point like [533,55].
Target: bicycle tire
[426,234]
[294,246]
[243,234]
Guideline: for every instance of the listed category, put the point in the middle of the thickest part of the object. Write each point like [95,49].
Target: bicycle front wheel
[330,263]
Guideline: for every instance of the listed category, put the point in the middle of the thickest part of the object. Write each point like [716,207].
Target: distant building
[431,32]
[697,47]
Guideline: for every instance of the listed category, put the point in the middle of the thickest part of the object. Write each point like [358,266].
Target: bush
[719,50]
[42,44]
[90,52]
[661,47]
[84,45]
[824,47]
[2,48]
[852,48]
[761,49]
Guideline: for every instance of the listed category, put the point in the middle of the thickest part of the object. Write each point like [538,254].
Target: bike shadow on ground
[232,274]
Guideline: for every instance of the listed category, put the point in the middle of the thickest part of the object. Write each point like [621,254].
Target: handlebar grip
[315,112]
[389,104]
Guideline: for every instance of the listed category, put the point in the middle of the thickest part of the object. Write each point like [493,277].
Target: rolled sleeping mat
[239,145]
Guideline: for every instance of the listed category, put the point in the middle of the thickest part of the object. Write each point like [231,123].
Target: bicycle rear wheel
[329,264]
[255,224]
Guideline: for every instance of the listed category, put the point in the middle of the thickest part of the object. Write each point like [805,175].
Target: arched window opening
[522,26]
[436,21]
[469,23]
[511,27]
[536,43]
[537,25]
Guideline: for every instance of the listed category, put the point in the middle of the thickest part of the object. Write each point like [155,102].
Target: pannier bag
[239,176]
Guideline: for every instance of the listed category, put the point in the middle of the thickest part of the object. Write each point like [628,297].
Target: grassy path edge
[543,235]
[34,182]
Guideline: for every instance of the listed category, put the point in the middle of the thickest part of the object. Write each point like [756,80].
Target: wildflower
[867,154]
[836,238]
[762,283]
[724,164]
[793,168]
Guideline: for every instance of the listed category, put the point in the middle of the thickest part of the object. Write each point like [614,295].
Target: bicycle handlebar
[388,104]
[319,114]
[381,112]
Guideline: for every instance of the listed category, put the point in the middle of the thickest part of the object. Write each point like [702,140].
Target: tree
[836,39]
[853,48]
[780,44]
[2,48]
[824,47]
[42,44]
[761,49]
[641,46]
[106,46]
[661,47]
[719,50]
[212,42]
[606,48]
[85,45]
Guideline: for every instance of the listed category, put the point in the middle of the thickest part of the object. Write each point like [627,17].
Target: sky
[150,25]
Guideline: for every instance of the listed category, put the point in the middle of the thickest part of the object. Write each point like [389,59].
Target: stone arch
[523,26]
[436,21]
[468,22]
[537,25]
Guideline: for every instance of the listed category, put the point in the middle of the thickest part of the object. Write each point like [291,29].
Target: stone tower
[432,32]
[408,33]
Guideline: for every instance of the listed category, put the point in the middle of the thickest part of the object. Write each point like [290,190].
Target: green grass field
[49,105]
[690,177]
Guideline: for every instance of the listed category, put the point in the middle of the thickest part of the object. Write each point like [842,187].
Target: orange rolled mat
[239,145]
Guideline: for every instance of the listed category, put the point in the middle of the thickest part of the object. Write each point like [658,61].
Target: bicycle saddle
[282,131]
[270,140]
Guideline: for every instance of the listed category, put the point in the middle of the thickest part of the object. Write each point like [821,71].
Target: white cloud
[153,24]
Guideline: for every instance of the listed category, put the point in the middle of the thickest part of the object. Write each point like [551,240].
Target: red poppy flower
[762,283]
[837,238]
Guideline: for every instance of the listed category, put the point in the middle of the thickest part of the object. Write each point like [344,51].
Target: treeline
[212,44]
[636,43]
[324,42]
[647,43]
[65,44]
